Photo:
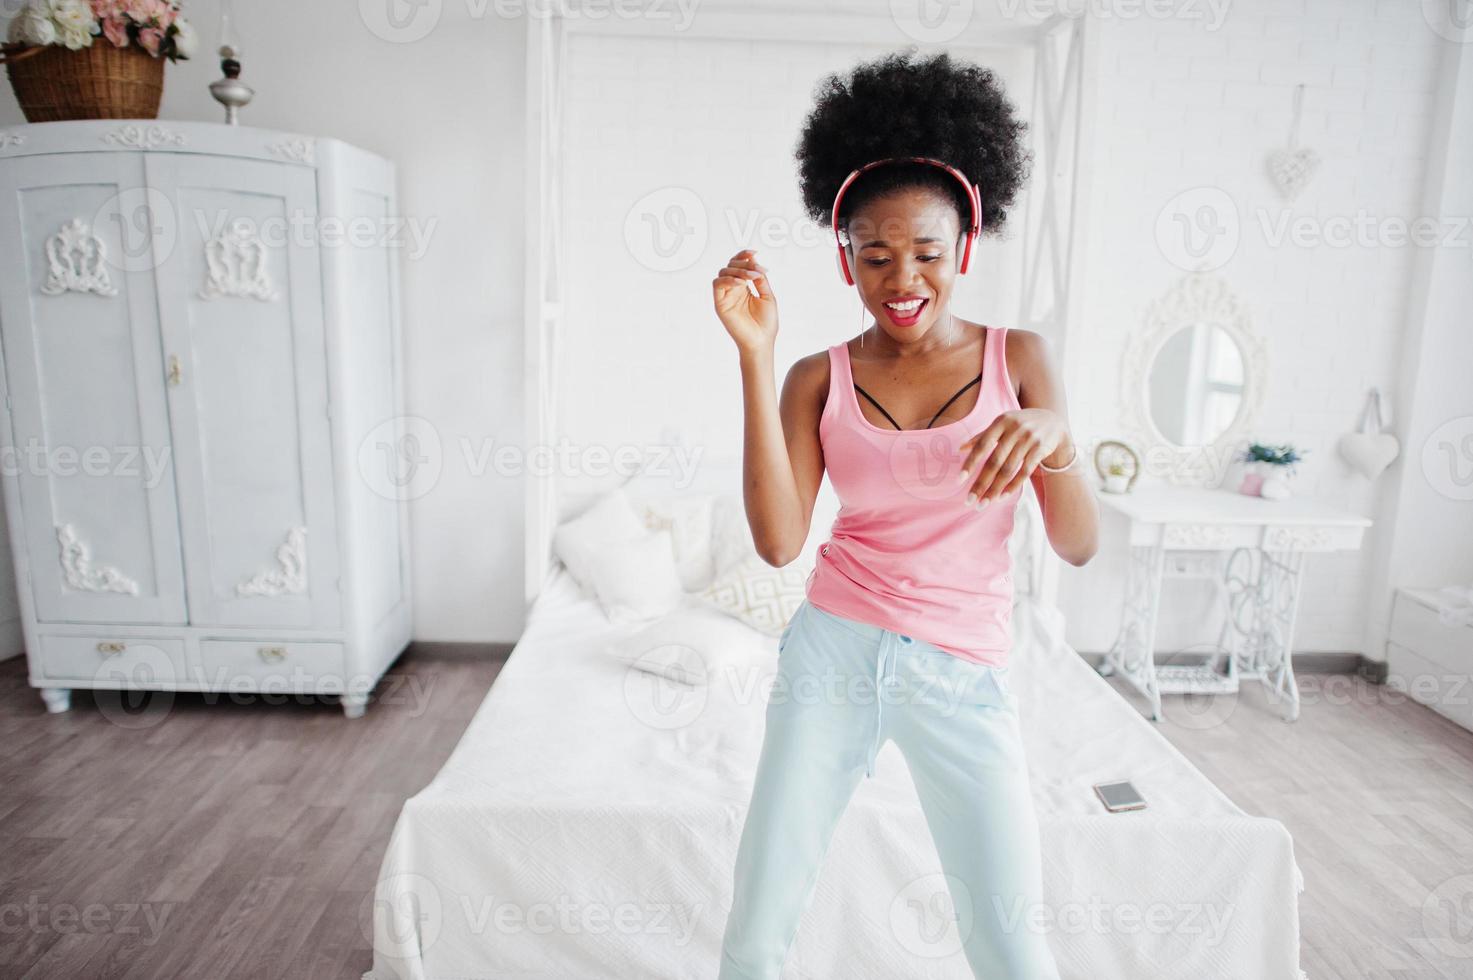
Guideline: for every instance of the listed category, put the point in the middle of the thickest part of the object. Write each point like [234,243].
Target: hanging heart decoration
[1293,167]
[1370,450]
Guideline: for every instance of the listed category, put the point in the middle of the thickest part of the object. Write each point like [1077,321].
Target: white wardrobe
[203,411]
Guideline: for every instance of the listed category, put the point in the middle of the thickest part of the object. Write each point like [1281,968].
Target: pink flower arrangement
[157,26]
[154,24]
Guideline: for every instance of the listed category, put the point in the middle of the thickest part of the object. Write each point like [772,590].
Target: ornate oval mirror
[1194,391]
[1193,380]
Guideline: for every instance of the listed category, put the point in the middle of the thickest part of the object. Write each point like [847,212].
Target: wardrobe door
[84,380]
[241,307]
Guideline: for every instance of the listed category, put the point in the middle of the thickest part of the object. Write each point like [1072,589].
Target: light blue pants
[956,723]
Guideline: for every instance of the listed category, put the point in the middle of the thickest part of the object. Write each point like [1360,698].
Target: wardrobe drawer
[286,664]
[140,661]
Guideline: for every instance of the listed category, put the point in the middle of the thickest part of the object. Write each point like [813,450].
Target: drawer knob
[109,647]
[272,655]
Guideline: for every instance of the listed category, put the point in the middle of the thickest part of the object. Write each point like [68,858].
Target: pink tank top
[905,552]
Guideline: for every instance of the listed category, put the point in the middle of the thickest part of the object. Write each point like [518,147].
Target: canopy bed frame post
[543,301]
[1064,73]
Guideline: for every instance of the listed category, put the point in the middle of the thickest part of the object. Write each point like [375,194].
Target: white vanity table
[1253,548]
[1192,389]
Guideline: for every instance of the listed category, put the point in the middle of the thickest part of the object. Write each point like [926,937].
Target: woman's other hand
[1006,453]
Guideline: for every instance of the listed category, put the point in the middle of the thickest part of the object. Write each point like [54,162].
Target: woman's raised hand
[751,320]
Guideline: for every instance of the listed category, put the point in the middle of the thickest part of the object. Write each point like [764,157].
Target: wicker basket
[101,81]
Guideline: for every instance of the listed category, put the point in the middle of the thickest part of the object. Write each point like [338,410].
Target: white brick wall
[1180,106]
[1183,107]
[718,119]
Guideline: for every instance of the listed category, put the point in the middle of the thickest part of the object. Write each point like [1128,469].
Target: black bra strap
[952,399]
[876,404]
[933,418]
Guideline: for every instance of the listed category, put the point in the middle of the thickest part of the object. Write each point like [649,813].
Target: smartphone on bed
[1119,796]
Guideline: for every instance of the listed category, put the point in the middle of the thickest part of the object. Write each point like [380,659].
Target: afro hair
[899,105]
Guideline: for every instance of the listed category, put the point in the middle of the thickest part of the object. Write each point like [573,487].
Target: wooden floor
[224,840]
[1377,792]
[210,841]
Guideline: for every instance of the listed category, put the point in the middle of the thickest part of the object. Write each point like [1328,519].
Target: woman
[912,594]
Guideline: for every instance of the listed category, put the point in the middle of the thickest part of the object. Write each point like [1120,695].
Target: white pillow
[578,542]
[759,595]
[691,645]
[635,580]
[688,519]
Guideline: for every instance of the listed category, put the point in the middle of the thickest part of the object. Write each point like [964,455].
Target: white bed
[572,835]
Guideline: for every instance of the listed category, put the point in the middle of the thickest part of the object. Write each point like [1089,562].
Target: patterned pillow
[731,537]
[761,596]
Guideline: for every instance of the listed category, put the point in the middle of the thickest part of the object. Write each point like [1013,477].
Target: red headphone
[974,195]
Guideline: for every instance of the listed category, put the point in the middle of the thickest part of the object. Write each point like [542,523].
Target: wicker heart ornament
[1292,167]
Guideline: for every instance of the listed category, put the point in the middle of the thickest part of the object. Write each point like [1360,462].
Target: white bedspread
[582,831]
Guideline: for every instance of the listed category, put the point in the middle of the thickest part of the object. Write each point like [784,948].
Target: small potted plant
[93,59]
[1269,470]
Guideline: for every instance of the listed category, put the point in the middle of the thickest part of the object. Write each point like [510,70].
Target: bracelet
[1061,469]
